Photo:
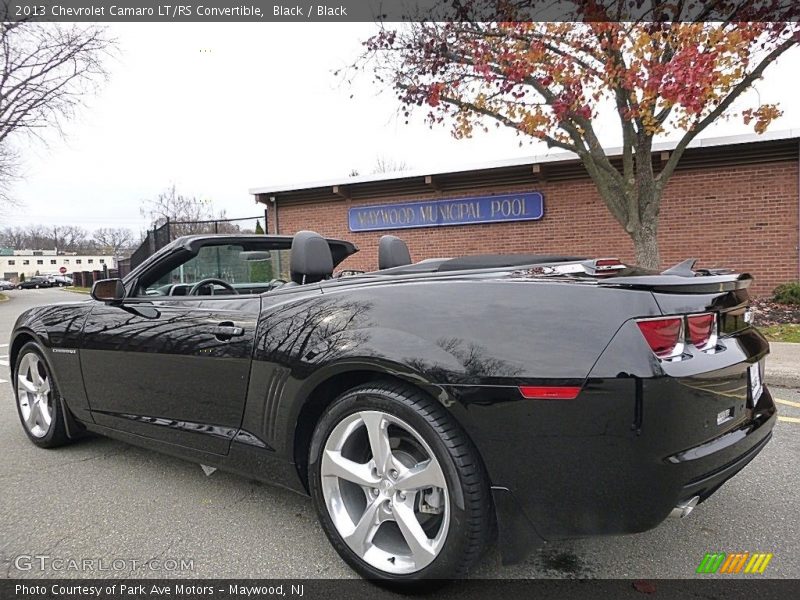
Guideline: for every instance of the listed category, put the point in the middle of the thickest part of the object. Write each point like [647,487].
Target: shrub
[787,293]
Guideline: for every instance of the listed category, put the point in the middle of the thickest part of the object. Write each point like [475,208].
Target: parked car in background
[60,280]
[5,284]
[35,282]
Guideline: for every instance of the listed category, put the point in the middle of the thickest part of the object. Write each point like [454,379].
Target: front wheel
[38,401]
[398,486]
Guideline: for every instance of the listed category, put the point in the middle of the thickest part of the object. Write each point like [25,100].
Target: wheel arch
[21,338]
[338,380]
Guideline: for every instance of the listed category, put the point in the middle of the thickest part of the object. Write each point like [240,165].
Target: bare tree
[12,237]
[113,240]
[68,238]
[46,72]
[185,213]
[38,238]
[9,170]
[384,164]
[73,238]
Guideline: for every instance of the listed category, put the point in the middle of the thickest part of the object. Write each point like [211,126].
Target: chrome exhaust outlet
[684,508]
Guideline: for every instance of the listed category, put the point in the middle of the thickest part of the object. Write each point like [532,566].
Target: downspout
[274,204]
[275,212]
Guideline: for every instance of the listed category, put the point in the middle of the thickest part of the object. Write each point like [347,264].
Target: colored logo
[738,562]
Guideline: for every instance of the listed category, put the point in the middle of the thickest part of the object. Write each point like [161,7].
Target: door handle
[225,331]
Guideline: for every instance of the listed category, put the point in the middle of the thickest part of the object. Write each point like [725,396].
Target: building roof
[553,166]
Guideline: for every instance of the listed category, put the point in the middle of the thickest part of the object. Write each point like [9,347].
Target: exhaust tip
[683,509]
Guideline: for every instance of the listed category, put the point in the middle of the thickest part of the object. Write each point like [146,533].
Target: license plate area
[756,384]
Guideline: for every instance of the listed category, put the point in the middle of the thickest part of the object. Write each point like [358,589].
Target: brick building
[732,202]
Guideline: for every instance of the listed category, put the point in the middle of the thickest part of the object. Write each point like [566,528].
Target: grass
[77,290]
[3,297]
[782,333]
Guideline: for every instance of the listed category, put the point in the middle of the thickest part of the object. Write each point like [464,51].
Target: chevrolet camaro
[430,408]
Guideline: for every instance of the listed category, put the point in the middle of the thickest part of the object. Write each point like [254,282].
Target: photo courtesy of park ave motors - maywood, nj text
[360,299]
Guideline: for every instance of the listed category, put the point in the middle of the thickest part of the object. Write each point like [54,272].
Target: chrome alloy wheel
[385,492]
[34,395]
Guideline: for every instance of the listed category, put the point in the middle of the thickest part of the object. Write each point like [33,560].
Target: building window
[40,262]
[26,262]
[11,263]
[77,261]
[102,261]
[52,262]
[91,260]
[66,261]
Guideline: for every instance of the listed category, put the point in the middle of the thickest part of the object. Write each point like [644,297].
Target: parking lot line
[789,419]
[787,402]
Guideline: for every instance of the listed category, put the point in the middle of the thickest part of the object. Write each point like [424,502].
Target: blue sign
[528,206]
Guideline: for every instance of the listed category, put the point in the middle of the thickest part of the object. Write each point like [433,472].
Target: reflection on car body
[420,404]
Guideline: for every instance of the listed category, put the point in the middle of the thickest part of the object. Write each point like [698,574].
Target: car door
[173,369]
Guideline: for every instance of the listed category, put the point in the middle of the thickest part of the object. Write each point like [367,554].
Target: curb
[785,380]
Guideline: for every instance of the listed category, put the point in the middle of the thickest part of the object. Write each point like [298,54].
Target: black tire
[470,523]
[56,434]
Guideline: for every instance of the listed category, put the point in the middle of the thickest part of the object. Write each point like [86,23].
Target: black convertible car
[428,408]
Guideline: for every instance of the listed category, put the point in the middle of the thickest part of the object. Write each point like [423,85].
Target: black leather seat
[310,259]
[392,252]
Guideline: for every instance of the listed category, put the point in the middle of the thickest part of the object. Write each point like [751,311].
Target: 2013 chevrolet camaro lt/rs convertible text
[427,408]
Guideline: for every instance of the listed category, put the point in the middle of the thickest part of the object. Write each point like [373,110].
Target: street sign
[62,270]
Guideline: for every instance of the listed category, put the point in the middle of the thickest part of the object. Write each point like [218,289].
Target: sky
[217,109]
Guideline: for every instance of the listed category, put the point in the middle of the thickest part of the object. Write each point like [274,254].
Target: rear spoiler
[696,283]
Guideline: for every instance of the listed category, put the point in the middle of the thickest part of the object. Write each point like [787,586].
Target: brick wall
[743,217]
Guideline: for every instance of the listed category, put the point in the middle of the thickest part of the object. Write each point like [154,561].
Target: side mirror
[108,290]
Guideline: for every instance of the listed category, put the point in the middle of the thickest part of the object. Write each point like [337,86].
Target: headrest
[392,252]
[311,258]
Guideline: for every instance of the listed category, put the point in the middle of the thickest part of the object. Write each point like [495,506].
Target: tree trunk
[645,243]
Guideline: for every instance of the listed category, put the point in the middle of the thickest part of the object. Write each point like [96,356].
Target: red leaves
[434,94]
[763,116]
[536,76]
[687,79]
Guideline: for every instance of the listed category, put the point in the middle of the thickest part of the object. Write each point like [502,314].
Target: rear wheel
[38,401]
[398,486]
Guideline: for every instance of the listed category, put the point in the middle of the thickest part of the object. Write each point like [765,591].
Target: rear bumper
[626,494]
[622,455]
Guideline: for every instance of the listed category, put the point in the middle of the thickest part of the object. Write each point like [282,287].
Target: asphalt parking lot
[101,499]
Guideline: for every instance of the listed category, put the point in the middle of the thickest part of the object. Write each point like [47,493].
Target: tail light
[663,335]
[702,330]
[667,336]
[603,267]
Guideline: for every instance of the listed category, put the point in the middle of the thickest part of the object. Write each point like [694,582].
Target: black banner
[312,589]
[111,11]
